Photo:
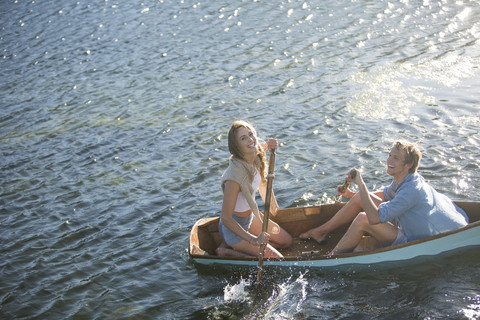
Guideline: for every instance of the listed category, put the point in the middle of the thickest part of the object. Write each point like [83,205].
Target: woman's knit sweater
[243,173]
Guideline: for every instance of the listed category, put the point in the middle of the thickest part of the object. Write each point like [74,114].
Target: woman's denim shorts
[228,236]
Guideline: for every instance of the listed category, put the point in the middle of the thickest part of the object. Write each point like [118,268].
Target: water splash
[281,300]
[237,292]
[472,311]
[287,299]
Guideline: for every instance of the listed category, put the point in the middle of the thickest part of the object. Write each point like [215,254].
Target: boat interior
[205,239]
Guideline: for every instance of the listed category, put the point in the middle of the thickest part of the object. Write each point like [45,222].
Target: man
[407,210]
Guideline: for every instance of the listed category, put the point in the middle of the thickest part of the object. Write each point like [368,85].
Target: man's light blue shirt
[421,211]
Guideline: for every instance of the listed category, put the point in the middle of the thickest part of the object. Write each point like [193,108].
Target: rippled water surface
[113,122]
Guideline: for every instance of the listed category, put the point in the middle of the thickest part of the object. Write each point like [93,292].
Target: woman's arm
[273,227]
[262,189]
[271,144]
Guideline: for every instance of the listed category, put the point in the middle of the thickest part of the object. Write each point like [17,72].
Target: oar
[268,196]
[345,186]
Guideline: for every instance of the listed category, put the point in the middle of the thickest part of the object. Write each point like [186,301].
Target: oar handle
[266,213]
[347,184]
[268,193]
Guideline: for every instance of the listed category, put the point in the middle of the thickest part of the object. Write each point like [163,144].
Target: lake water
[113,123]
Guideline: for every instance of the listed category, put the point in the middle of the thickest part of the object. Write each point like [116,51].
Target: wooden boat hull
[204,239]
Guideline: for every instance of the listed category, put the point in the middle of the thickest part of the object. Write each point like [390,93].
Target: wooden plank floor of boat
[305,248]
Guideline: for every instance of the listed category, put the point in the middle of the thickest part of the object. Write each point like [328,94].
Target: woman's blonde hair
[233,145]
[412,153]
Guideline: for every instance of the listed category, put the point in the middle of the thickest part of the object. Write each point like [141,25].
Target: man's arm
[368,205]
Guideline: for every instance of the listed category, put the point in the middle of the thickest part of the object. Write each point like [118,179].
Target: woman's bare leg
[245,249]
[225,251]
[282,240]
[251,250]
[345,215]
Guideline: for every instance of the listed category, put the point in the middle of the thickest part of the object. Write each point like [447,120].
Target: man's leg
[345,215]
[384,233]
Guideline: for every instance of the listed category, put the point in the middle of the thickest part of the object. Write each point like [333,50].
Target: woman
[241,222]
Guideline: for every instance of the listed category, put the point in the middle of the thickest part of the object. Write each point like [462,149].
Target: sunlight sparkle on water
[393,90]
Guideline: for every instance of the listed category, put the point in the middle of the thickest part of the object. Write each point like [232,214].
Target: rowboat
[204,239]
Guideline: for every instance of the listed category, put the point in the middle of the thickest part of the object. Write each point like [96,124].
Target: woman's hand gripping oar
[268,196]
